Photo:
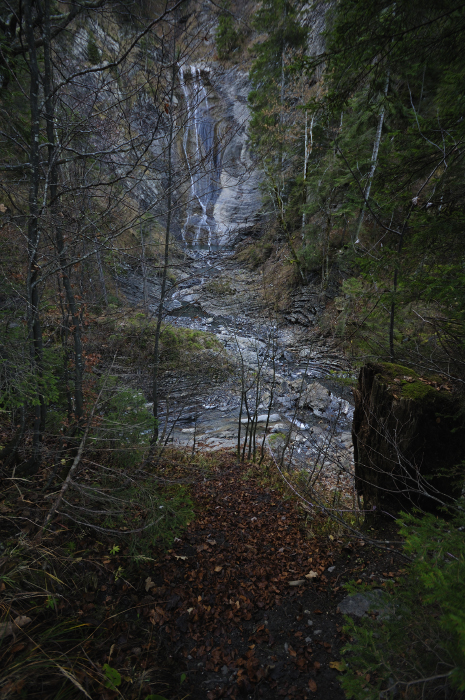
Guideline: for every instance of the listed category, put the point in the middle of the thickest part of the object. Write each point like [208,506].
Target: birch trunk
[374,161]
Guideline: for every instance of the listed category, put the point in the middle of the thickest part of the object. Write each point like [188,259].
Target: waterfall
[203,162]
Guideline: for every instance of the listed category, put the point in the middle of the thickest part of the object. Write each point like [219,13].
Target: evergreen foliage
[285,38]
[386,174]
[418,645]
[93,54]
[227,37]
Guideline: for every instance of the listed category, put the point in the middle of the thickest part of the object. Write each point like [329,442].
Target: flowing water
[203,160]
[215,293]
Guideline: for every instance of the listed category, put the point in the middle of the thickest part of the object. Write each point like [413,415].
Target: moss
[392,370]
[417,391]
[275,437]
[93,54]
[413,388]
[220,287]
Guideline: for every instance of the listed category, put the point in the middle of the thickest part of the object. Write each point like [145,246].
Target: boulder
[359,604]
[407,441]
[317,397]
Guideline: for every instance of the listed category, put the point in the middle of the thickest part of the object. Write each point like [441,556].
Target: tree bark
[33,234]
[76,321]
[407,444]
[156,351]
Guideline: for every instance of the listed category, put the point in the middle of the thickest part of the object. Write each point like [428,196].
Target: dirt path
[226,605]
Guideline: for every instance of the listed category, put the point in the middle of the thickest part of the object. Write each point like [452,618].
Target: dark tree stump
[409,446]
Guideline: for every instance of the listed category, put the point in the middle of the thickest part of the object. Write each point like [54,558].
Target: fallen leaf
[338,665]
[316,665]
[211,541]
[311,574]
[312,685]
[148,584]
[218,569]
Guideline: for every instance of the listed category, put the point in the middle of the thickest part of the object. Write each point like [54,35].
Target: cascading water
[203,162]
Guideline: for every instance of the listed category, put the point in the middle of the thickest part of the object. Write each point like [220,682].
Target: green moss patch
[406,383]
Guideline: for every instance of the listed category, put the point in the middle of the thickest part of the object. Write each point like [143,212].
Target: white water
[203,163]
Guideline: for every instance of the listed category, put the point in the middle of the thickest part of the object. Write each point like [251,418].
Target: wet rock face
[224,200]
[407,445]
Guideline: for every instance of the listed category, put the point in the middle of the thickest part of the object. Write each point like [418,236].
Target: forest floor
[243,605]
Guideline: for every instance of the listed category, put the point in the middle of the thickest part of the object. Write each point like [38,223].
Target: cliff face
[223,199]
[407,444]
[216,181]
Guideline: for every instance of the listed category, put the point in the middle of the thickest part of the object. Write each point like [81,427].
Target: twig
[77,459]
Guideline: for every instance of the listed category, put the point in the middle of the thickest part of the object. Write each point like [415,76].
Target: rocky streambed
[294,376]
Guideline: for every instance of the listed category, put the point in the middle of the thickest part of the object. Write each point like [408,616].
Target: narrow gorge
[232,350]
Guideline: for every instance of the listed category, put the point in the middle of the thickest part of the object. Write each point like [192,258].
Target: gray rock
[279,428]
[172,304]
[346,439]
[190,298]
[264,417]
[316,397]
[360,603]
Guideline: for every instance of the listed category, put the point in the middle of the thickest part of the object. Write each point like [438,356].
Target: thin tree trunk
[394,292]
[374,161]
[307,153]
[144,270]
[100,272]
[33,299]
[59,239]
[156,352]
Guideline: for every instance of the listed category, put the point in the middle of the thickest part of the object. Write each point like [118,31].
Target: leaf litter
[232,591]
[244,604]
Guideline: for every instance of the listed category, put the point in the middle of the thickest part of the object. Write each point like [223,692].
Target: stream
[307,409]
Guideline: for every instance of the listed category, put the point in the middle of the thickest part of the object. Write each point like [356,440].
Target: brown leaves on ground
[218,607]
[237,560]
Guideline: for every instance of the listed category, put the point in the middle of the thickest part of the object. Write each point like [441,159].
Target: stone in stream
[315,397]
[263,418]
[279,428]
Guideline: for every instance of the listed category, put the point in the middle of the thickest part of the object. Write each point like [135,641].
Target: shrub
[419,648]
[126,424]
[93,54]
